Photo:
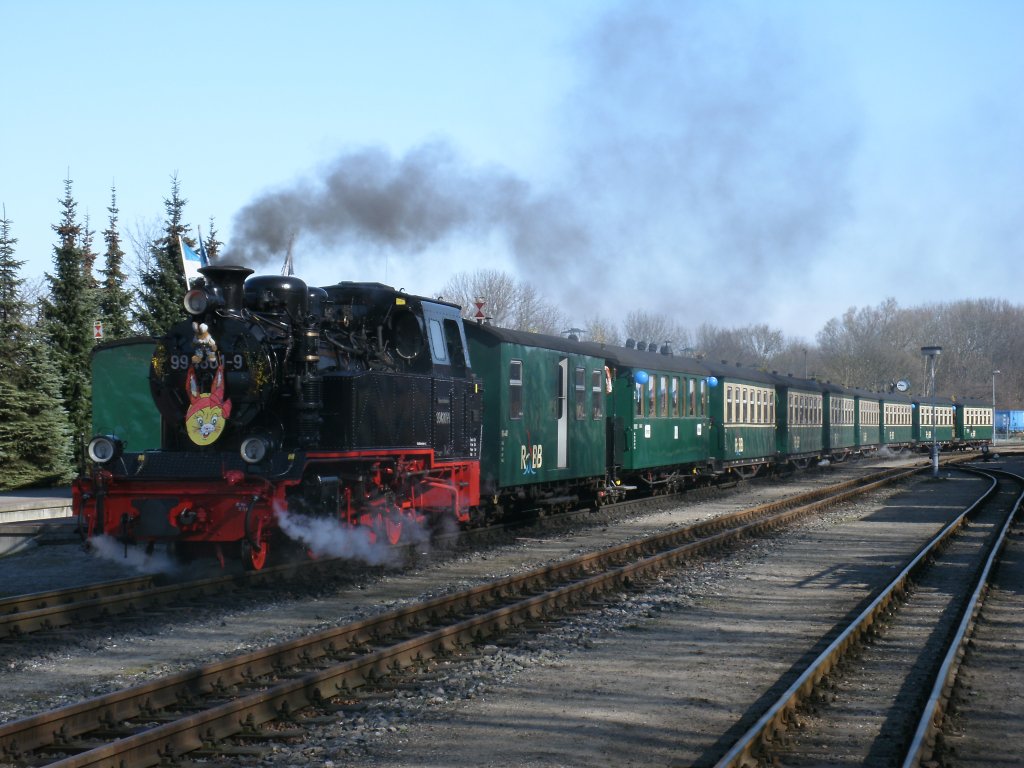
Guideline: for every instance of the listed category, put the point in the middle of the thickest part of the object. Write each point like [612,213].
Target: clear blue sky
[729,162]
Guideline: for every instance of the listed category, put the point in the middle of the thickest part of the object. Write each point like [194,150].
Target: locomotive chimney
[228,279]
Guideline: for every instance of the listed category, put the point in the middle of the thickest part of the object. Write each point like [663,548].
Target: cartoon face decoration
[209,411]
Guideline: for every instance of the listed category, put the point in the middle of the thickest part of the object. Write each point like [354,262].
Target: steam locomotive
[357,405]
[354,402]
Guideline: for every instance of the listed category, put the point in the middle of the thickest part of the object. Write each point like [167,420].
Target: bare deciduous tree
[508,303]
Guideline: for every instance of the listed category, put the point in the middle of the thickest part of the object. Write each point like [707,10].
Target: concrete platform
[35,516]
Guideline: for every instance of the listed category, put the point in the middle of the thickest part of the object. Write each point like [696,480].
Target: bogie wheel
[254,559]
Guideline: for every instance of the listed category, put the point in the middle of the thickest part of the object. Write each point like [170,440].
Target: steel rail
[923,743]
[745,752]
[655,553]
[24,614]
[16,604]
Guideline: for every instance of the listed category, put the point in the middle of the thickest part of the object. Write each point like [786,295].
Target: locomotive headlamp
[196,301]
[104,448]
[254,450]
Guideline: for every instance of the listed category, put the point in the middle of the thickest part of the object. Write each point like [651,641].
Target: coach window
[596,395]
[728,405]
[515,389]
[652,397]
[675,396]
[638,398]
[693,397]
[703,396]
[581,394]
[663,395]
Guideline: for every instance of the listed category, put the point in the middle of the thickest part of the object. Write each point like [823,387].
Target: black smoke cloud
[703,150]
[404,205]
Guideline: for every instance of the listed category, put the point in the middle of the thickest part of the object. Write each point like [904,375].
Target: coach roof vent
[666,349]
[630,343]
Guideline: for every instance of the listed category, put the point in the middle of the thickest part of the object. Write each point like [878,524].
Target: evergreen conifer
[115,300]
[163,280]
[68,317]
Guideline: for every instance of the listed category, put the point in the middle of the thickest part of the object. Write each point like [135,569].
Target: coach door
[562,413]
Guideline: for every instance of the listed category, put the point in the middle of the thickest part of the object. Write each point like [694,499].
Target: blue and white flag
[190,262]
[202,251]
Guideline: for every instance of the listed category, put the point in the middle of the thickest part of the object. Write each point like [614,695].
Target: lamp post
[930,354]
[994,373]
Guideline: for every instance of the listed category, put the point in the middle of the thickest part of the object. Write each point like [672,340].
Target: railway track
[877,694]
[248,697]
[23,615]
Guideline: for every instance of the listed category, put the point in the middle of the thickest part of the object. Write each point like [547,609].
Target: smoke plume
[404,205]
[700,152]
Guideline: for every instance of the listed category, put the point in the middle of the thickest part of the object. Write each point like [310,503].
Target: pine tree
[87,254]
[115,300]
[67,319]
[212,244]
[12,307]
[34,426]
[35,444]
[163,281]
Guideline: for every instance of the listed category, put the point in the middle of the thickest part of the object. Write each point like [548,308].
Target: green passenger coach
[897,412]
[867,420]
[974,420]
[744,407]
[841,433]
[934,421]
[801,419]
[544,413]
[658,417]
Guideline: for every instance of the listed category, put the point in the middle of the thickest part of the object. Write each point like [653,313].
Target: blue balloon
[712,381]
[641,377]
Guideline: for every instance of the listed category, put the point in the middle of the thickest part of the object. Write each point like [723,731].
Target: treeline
[47,333]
